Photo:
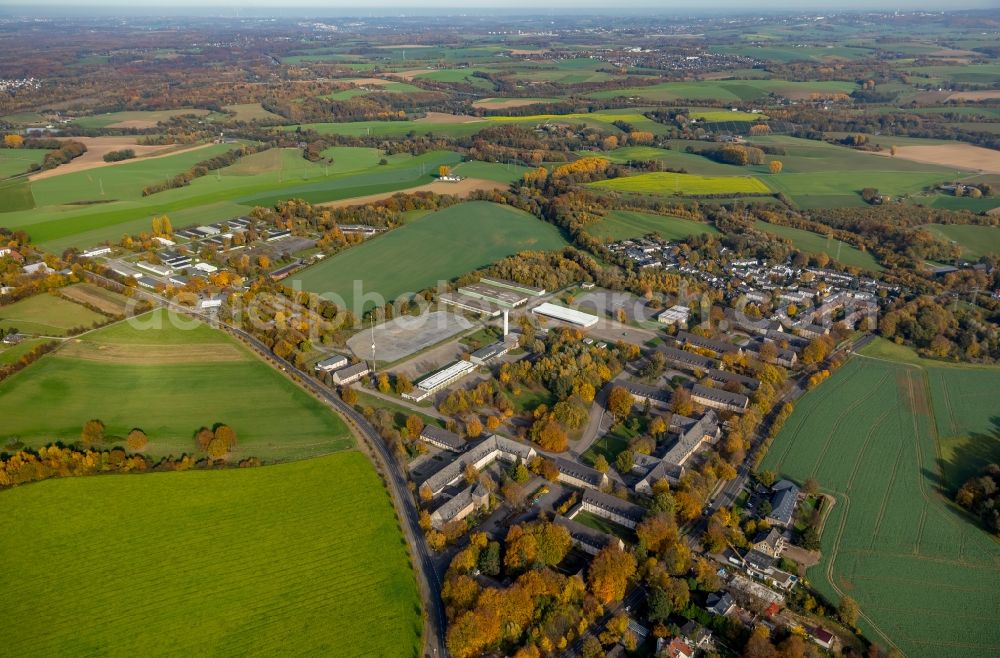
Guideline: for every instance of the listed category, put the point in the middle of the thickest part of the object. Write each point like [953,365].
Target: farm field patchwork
[671,184]
[134,119]
[437,246]
[624,224]
[975,241]
[301,571]
[157,376]
[893,541]
[728,90]
[814,243]
[47,315]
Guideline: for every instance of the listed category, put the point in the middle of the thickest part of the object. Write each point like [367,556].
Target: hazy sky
[664,6]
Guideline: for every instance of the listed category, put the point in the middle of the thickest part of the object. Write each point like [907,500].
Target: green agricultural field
[728,90]
[495,171]
[921,571]
[17,161]
[219,195]
[274,559]
[15,195]
[105,120]
[975,241]
[11,353]
[779,53]
[717,116]
[601,120]
[624,224]
[670,184]
[814,243]
[435,247]
[159,378]
[47,315]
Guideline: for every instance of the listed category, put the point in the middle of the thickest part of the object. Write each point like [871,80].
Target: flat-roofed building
[676,314]
[350,374]
[612,508]
[578,475]
[513,285]
[435,381]
[499,296]
[159,270]
[719,399]
[485,354]
[725,377]
[564,314]
[206,230]
[472,304]
[92,253]
[335,362]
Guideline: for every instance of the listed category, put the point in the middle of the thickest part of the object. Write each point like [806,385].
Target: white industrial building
[676,314]
[564,314]
[436,381]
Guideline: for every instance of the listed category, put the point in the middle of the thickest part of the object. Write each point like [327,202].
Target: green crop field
[261,179]
[975,241]
[11,353]
[814,243]
[715,116]
[264,560]
[105,120]
[624,224]
[15,195]
[728,90]
[47,315]
[922,572]
[17,161]
[435,247]
[159,379]
[668,184]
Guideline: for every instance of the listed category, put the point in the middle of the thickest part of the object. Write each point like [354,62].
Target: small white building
[96,251]
[207,268]
[676,314]
[335,362]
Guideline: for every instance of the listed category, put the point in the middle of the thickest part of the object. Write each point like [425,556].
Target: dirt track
[97,147]
[462,188]
[152,354]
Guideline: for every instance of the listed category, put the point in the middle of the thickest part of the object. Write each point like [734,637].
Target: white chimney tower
[505,327]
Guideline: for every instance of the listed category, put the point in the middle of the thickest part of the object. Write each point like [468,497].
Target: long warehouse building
[564,314]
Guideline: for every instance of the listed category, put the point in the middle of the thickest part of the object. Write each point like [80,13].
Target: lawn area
[435,247]
[169,381]
[893,541]
[608,445]
[17,161]
[671,184]
[48,315]
[608,527]
[814,243]
[495,171]
[625,224]
[11,353]
[975,241]
[305,572]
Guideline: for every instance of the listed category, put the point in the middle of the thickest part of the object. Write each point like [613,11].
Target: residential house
[675,648]
[350,374]
[822,637]
[720,603]
[335,362]
[771,543]
[696,635]
[784,499]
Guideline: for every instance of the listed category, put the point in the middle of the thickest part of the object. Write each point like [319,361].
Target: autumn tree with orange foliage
[609,574]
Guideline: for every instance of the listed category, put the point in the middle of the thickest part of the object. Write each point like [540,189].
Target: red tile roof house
[822,637]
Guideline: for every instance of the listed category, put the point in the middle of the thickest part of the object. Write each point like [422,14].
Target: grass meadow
[814,243]
[154,116]
[625,224]
[975,241]
[923,573]
[46,315]
[169,382]
[277,559]
[671,184]
[727,90]
[17,161]
[436,246]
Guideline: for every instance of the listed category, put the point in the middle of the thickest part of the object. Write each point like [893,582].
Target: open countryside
[871,437]
[334,565]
